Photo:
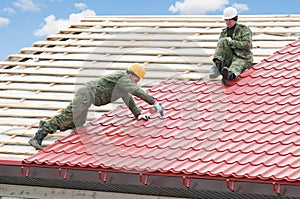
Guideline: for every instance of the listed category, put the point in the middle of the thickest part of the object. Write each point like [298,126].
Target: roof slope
[40,80]
[248,130]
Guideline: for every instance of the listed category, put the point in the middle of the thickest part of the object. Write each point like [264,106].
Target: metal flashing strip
[186,181]
[145,182]
[108,179]
[25,170]
[8,161]
[65,174]
[231,188]
[104,178]
[278,190]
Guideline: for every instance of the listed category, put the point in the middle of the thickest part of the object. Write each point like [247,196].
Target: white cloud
[81,6]
[9,10]
[53,25]
[240,7]
[4,21]
[77,17]
[197,6]
[27,5]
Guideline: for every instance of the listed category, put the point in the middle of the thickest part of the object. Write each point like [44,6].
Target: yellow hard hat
[138,70]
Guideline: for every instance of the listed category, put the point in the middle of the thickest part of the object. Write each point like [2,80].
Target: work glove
[229,39]
[143,117]
[157,107]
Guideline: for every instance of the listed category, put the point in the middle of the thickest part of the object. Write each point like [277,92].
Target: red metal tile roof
[248,130]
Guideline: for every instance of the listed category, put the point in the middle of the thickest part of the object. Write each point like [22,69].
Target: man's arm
[128,86]
[128,100]
[242,39]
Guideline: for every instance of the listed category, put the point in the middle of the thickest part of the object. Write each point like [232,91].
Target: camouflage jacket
[241,41]
[117,85]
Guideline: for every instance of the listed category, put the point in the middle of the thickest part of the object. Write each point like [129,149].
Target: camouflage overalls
[235,54]
[99,92]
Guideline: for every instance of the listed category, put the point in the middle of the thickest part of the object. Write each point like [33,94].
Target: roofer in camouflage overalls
[233,52]
[99,92]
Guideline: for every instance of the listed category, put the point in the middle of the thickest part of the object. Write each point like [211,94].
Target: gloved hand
[229,39]
[143,117]
[157,107]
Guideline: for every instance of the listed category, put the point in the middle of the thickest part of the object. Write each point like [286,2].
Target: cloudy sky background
[23,22]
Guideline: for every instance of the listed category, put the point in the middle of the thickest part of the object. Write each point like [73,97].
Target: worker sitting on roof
[102,91]
[233,52]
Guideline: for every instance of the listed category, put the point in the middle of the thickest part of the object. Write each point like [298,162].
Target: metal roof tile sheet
[249,129]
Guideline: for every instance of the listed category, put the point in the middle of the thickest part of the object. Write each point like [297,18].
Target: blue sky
[23,22]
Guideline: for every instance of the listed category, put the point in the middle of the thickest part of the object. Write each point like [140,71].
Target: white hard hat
[229,13]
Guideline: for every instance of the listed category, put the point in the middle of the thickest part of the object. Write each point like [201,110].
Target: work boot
[227,75]
[41,127]
[216,69]
[36,140]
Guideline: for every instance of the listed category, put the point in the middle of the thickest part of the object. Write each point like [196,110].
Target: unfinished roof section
[247,131]
[40,80]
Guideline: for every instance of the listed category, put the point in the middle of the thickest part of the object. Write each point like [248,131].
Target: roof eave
[140,182]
